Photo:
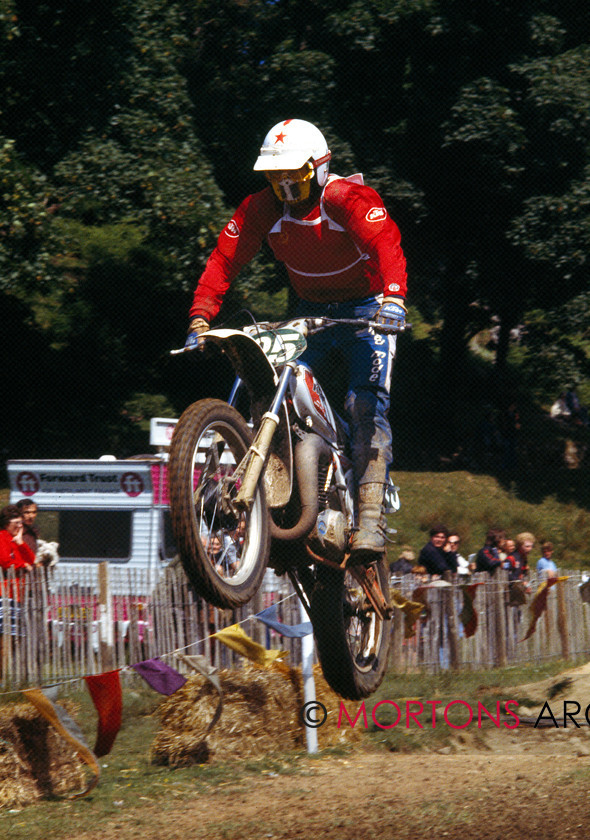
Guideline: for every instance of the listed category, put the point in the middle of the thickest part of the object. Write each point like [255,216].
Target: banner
[105,690]
[539,603]
[412,611]
[67,728]
[235,638]
[159,676]
[468,615]
[270,617]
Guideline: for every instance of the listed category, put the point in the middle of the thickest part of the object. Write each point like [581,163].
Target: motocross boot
[368,542]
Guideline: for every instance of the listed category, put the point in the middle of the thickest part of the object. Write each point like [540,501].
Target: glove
[197,327]
[391,313]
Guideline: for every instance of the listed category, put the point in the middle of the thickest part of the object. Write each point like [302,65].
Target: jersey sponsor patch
[376,214]
[232,229]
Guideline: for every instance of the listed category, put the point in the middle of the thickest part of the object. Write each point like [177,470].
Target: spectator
[225,562]
[433,557]
[13,549]
[234,545]
[488,557]
[507,548]
[519,566]
[464,568]
[28,511]
[14,552]
[404,563]
[546,562]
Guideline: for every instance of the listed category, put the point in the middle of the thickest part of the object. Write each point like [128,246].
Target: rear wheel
[224,551]
[351,639]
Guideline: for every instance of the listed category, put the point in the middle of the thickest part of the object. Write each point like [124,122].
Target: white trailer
[104,509]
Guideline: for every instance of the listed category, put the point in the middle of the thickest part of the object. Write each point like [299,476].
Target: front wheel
[224,551]
[351,639]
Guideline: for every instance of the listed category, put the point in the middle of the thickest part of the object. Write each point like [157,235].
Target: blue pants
[366,359]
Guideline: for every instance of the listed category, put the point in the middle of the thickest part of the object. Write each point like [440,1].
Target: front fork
[252,464]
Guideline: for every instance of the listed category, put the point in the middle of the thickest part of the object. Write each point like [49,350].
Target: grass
[471,503]
[129,779]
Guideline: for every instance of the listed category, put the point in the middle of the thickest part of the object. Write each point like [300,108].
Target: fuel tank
[311,405]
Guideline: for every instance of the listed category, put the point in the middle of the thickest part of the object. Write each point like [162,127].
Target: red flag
[105,690]
[468,615]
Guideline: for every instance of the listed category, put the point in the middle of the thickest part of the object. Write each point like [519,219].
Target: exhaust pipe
[307,458]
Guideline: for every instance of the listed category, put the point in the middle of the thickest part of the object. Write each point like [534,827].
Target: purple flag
[159,676]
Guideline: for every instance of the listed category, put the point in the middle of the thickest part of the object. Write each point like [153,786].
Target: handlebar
[315,325]
[310,326]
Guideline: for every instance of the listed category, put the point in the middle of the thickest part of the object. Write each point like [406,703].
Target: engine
[329,538]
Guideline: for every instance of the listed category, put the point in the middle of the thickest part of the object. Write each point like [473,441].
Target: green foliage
[482,117]
[146,165]
[58,72]
[128,129]
[24,245]
[554,233]
[555,351]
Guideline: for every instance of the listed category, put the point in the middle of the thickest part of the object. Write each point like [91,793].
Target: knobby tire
[209,441]
[352,641]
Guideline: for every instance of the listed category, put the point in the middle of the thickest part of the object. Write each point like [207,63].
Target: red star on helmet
[280,138]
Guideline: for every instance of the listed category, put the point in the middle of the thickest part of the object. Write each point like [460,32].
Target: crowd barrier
[64,623]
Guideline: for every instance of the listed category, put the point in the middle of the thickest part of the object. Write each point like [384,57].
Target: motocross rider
[343,256]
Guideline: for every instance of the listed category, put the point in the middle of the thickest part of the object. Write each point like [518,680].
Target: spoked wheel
[224,550]
[351,639]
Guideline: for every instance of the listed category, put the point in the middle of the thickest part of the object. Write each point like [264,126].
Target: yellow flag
[410,609]
[68,729]
[539,603]
[235,638]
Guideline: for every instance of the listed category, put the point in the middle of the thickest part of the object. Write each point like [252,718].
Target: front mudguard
[258,374]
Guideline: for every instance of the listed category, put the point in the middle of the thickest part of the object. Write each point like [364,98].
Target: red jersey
[13,554]
[345,248]
[18,556]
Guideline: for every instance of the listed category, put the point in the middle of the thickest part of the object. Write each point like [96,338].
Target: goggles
[291,185]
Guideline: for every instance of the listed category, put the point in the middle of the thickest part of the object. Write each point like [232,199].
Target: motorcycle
[278,491]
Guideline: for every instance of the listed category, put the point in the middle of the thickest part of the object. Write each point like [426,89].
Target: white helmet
[289,145]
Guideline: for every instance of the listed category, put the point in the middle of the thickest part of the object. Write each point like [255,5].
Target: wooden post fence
[62,623]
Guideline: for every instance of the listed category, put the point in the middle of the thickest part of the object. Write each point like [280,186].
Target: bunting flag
[200,664]
[270,617]
[235,638]
[105,690]
[57,716]
[411,610]
[539,603]
[159,676]
[468,615]
[419,597]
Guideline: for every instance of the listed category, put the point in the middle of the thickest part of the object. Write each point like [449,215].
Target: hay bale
[35,762]
[329,735]
[260,715]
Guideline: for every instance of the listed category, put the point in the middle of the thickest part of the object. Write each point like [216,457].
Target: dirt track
[537,790]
